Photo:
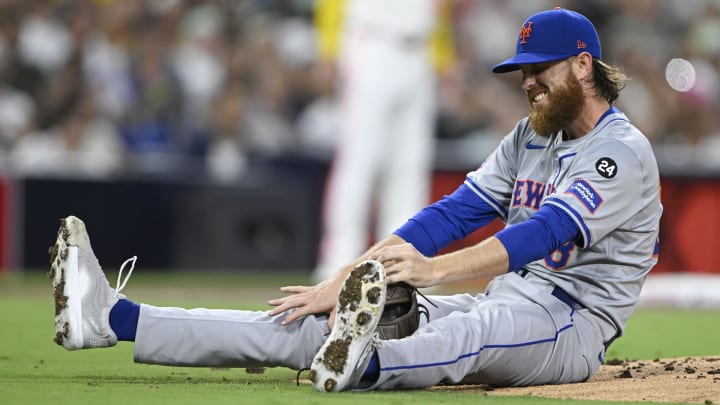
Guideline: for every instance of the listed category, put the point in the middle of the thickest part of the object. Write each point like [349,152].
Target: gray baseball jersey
[552,321]
[608,182]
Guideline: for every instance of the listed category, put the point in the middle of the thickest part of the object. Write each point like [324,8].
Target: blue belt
[558,293]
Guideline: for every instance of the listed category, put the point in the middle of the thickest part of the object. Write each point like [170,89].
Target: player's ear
[582,64]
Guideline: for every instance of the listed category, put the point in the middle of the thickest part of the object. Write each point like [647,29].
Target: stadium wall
[269,222]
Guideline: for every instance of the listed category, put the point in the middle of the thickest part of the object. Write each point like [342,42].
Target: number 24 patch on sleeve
[606,167]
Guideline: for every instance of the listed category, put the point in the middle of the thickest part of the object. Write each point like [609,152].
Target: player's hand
[306,300]
[404,263]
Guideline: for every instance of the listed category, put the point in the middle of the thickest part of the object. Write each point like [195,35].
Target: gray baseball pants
[515,334]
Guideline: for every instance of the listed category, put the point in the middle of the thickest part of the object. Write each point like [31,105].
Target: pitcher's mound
[689,380]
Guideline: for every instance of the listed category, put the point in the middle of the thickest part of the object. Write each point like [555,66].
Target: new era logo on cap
[552,35]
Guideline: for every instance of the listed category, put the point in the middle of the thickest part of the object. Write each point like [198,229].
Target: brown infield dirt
[686,380]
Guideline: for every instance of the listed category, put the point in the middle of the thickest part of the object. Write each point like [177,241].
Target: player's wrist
[439,274]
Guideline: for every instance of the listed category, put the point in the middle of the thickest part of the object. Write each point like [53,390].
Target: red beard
[563,106]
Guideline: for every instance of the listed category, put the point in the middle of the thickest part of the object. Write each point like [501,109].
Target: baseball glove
[401,315]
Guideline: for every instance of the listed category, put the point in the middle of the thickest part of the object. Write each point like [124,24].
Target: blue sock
[124,319]
[372,372]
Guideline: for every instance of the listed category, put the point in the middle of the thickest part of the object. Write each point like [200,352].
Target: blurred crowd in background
[101,88]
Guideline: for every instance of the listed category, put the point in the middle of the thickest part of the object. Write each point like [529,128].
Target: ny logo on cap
[525,32]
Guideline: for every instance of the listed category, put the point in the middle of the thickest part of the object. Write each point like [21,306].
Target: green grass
[34,370]
[667,333]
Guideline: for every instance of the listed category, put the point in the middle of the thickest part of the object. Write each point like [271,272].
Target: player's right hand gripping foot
[342,360]
[83,297]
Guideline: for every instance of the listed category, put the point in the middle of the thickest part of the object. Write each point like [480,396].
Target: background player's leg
[361,144]
[225,338]
[408,166]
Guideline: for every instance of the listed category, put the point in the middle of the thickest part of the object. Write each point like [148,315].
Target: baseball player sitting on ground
[577,185]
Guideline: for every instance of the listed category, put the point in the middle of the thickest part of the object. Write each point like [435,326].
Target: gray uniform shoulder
[621,130]
[619,133]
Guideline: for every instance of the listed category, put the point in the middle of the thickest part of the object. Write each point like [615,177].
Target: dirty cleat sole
[341,361]
[64,275]
[81,293]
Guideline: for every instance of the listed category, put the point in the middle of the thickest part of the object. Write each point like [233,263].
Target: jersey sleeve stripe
[488,199]
[575,216]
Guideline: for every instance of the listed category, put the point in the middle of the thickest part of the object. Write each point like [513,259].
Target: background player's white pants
[518,334]
[385,148]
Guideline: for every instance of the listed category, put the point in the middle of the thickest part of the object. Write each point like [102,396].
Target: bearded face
[559,108]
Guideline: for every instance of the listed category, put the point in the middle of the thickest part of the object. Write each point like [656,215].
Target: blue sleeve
[537,237]
[453,217]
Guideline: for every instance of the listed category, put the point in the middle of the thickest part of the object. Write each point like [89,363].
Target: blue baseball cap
[552,35]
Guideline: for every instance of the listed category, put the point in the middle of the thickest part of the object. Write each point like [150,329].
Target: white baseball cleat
[342,360]
[83,296]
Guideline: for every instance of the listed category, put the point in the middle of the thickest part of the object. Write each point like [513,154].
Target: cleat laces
[119,287]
